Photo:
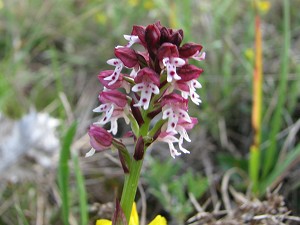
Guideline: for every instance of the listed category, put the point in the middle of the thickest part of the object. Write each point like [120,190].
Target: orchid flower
[100,139]
[114,107]
[189,83]
[169,58]
[147,83]
[174,108]
[159,82]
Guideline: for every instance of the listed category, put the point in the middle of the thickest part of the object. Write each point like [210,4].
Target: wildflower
[119,83]
[182,127]
[134,219]
[263,6]
[100,139]
[114,107]
[131,40]
[160,85]
[147,82]
[174,107]
[115,75]
[169,138]
[189,83]
[169,57]
[160,69]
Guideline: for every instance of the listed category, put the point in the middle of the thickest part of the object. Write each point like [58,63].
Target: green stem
[132,179]
[130,187]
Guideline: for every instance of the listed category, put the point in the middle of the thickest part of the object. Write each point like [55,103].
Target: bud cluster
[158,82]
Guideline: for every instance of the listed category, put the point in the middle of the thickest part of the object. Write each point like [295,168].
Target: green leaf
[63,171]
[81,191]
[282,88]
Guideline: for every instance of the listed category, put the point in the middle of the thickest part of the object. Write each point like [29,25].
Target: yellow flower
[134,219]
[263,6]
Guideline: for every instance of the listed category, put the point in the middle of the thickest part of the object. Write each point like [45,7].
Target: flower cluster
[158,82]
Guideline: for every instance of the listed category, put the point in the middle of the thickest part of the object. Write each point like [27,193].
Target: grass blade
[81,190]
[281,168]
[63,171]
[282,88]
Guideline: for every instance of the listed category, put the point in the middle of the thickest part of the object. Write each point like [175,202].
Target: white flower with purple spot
[174,108]
[113,78]
[147,82]
[171,64]
[114,107]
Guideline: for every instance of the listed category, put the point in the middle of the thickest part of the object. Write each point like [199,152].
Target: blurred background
[51,52]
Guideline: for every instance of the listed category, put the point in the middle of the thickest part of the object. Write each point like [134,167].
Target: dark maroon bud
[189,49]
[127,55]
[176,38]
[152,37]
[139,149]
[136,113]
[165,35]
[140,32]
[158,24]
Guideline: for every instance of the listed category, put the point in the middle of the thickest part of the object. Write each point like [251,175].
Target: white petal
[138,87]
[183,133]
[178,62]
[113,126]
[90,153]
[199,56]
[172,122]
[182,148]
[145,98]
[116,74]
[170,138]
[127,37]
[185,94]
[167,113]
[195,98]
[114,62]
[173,151]
[196,84]
[131,40]
[184,115]
[166,61]
[171,72]
[107,116]
[153,88]
[102,107]
[134,71]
